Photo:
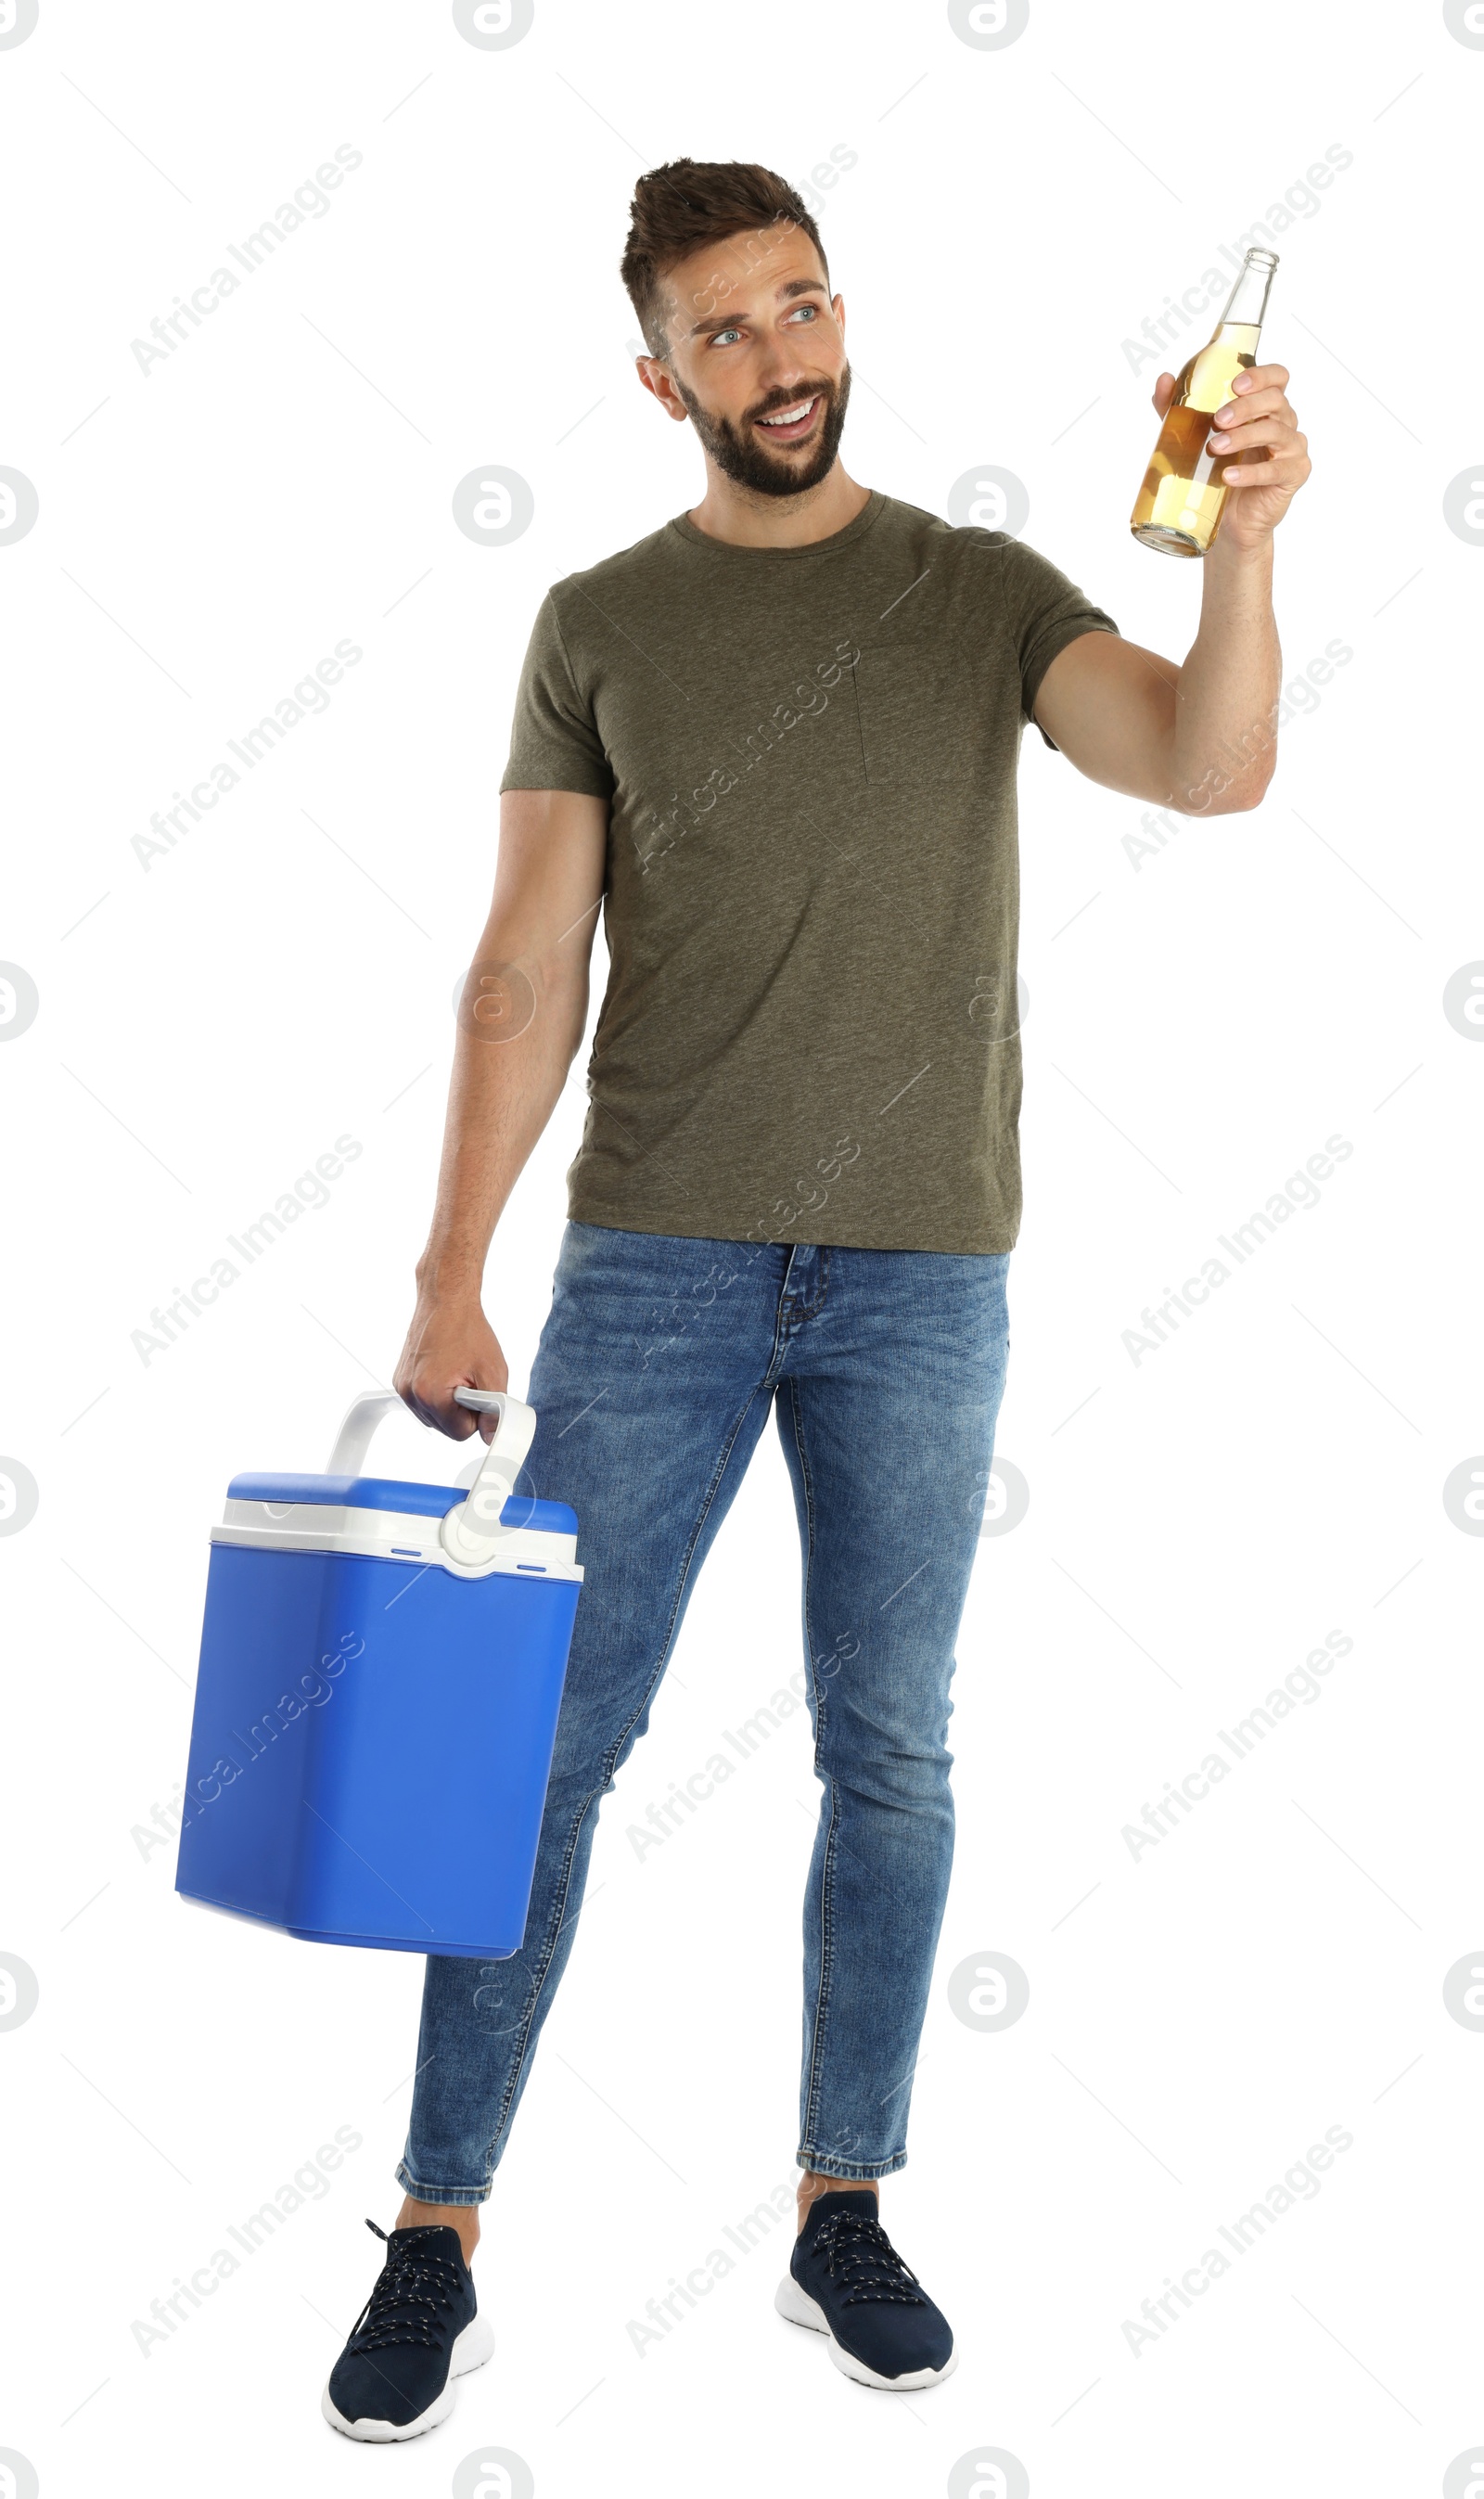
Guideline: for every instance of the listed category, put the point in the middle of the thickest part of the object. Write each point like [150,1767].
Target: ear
[656,379]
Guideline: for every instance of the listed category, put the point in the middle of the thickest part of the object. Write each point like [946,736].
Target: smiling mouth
[791,424]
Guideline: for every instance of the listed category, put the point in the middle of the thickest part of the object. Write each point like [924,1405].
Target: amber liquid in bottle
[1180,504]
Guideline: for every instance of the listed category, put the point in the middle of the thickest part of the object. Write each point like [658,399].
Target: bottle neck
[1248,298]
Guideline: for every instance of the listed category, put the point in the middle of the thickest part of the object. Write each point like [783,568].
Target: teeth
[788,415]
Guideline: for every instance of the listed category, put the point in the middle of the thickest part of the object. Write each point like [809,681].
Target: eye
[805,312]
[721,336]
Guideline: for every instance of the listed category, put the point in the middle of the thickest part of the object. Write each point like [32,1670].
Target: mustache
[790,399]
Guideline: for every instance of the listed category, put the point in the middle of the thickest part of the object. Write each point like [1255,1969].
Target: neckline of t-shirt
[869,513]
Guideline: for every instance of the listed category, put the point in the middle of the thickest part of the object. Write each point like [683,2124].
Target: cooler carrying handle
[354,1438]
[471,1532]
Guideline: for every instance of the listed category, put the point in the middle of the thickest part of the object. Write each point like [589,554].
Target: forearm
[1200,738]
[1224,738]
[522,1014]
[500,1096]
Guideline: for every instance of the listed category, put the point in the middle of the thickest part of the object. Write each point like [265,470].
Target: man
[776,743]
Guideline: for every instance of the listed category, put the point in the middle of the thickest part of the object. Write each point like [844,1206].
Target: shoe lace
[414,2287]
[861,2258]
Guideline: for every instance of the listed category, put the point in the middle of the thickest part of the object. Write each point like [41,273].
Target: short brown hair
[680,207]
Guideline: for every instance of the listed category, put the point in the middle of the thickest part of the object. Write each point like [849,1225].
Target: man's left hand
[1256,418]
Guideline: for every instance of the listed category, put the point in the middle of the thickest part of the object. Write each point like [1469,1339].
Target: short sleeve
[554,743]
[1044,612]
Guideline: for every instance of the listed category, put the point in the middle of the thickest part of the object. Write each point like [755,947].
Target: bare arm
[1199,738]
[521,1023]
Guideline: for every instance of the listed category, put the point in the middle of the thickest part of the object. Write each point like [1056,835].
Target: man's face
[756,359]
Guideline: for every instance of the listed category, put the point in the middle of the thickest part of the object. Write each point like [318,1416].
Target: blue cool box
[381,1671]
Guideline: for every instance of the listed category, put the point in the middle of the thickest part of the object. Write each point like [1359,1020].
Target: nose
[784,366]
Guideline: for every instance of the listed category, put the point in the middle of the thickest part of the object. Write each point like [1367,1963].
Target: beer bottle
[1180,501]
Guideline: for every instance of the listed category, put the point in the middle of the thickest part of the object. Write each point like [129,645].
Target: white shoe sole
[474,2346]
[800,2310]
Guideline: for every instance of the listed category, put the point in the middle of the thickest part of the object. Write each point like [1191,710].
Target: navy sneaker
[846,2280]
[418,2331]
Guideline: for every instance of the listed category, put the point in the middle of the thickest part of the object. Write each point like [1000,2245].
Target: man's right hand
[450,1344]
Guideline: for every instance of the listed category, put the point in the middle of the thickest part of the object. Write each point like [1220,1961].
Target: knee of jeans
[904,1779]
[584,1754]
[581,1773]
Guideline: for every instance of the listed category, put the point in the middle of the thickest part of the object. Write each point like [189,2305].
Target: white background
[1198,1027]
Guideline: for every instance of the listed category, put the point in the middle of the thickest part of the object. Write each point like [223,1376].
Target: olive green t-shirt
[810,1031]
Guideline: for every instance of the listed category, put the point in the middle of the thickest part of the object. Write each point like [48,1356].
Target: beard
[741,457]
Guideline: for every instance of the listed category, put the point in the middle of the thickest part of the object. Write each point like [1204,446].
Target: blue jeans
[657,1367]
